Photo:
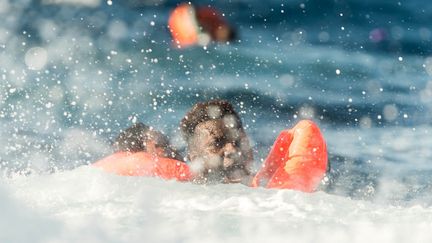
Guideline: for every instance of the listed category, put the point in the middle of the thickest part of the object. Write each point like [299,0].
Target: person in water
[142,138]
[217,145]
[193,25]
[218,151]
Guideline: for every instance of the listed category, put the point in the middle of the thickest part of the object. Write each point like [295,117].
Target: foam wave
[111,209]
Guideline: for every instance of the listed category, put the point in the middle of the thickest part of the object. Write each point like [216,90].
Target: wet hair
[131,139]
[134,138]
[142,138]
[206,111]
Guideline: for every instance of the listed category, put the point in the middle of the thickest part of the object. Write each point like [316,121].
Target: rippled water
[73,76]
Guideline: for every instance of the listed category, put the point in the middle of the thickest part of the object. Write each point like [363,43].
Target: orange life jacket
[297,160]
[183,25]
[190,25]
[144,164]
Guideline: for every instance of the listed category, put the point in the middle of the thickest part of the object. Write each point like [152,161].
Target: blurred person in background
[191,25]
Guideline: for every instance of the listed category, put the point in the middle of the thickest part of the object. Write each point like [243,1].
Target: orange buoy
[183,25]
[144,164]
[298,160]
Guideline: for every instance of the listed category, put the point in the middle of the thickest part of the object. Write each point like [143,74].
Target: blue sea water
[73,75]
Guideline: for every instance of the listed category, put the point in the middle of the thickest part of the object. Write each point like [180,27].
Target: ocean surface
[75,72]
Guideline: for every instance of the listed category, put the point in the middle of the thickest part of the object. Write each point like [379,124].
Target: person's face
[219,151]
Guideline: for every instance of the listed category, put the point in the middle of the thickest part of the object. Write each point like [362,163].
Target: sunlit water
[91,206]
[73,76]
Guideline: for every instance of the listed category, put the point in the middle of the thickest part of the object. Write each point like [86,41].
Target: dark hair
[132,139]
[202,112]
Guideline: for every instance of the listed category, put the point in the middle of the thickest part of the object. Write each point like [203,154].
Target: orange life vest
[191,25]
[144,164]
[297,160]
[183,25]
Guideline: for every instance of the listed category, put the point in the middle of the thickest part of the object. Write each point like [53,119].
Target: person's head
[142,138]
[218,146]
[215,25]
[190,25]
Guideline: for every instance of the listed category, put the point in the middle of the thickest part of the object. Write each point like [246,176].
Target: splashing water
[74,73]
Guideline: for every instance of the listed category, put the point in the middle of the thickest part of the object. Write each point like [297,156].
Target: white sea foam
[94,83]
[89,205]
